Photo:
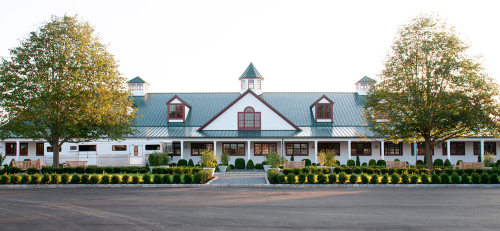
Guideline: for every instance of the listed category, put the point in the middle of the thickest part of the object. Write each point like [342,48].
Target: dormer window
[176,111]
[249,119]
[323,111]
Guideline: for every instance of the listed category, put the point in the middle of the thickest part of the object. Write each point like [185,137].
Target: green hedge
[394,178]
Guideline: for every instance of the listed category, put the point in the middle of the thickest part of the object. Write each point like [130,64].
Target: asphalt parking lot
[250,209]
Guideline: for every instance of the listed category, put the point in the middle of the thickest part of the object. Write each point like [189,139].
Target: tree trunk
[55,151]
[428,152]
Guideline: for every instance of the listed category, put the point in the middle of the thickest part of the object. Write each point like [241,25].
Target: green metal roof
[366,79]
[347,115]
[251,72]
[137,80]
[192,132]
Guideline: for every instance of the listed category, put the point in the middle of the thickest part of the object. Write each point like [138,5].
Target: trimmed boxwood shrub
[250,164]
[308,162]
[239,163]
[414,179]
[273,177]
[177,179]
[374,179]
[15,179]
[290,178]
[420,162]
[438,163]
[348,170]
[302,178]
[157,179]
[36,179]
[447,163]
[4,179]
[321,178]
[372,163]
[445,178]
[381,163]
[395,178]
[25,179]
[182,163]
[136,179]
[95,179]
[464,179]
[342,178]
[125,179]
[405,179]
[449,171]
[147,179]
[105,179]
[385,179]
[353,178]
[45,178]
[494,178]
[190,163]
[435,179]
[455,178]
[85,179]
[332,178]
[485,178]
[281,179]
[188,179]
[469,171]
[364,179]
[65,178]
[200,177]
[115,179]
[357,170]
[259,166]
[167,178]
[310,178]
[475,178]
[351,163]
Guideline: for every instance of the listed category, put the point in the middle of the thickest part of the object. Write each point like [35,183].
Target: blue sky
[203,46]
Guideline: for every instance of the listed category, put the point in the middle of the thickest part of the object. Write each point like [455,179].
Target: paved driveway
[240,178]
[250,209]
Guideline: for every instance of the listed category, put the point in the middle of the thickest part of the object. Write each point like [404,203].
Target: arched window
[249,119]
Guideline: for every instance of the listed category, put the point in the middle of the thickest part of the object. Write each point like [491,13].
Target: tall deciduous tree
[62,85]
[432,90]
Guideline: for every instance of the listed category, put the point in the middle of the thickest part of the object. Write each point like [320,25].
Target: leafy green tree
[62,85]
[432,90]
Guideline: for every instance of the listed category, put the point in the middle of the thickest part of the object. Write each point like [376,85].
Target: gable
[271,119]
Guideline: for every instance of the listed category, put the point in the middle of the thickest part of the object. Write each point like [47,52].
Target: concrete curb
[283,186]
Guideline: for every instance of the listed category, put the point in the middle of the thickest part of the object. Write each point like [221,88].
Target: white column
[182,149]
[415,151]
[215,148]
[482,150]
[348,149]
[248,150]
[382,150]
[18,150]
[316,151]
[448,150]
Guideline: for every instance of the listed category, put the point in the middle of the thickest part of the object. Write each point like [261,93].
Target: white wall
[229,119]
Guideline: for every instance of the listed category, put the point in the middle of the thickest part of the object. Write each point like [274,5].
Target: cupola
[364,85]
[138,86]
[251,79]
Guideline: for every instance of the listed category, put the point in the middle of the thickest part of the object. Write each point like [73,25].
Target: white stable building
[248,124]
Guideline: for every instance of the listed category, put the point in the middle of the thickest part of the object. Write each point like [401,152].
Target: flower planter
[222,168]
[266,167]
[210,169]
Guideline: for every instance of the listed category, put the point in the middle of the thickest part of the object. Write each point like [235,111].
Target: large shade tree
[62,85]
[431,89]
